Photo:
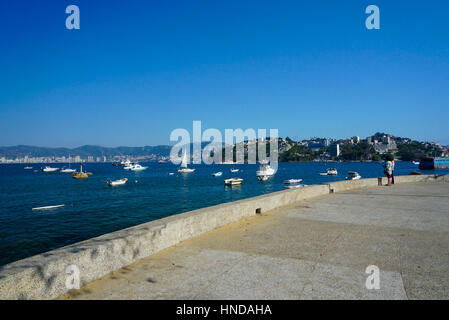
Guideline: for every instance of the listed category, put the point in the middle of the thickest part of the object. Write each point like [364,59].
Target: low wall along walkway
[44,276]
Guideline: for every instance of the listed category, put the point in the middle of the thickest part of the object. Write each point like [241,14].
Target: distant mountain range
[84,151]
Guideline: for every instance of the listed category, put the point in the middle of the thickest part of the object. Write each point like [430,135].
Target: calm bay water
[92,208]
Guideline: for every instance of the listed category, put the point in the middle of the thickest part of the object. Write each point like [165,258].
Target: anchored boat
[137,167]
[265,172]
[233,181]
[183,168]
[352,175]
[113,183]
[49,169]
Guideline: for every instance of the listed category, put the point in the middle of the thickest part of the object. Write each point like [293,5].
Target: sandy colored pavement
[316,249]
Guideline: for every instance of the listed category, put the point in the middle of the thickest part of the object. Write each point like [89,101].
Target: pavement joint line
[395,195]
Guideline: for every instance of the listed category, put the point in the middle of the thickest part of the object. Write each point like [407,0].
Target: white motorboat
[28,168]
[265,171]
[183,168]
[170,173]
[137,167]
[352,175]
[217,174]
[329,172]
[128,165]
[233,181]
[113,183]
[292,181]
[49,169]
[234,170]
[415,162]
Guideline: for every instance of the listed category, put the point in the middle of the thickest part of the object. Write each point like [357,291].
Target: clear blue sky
[136,70]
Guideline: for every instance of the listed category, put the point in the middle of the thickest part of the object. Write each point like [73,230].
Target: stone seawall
[44,276]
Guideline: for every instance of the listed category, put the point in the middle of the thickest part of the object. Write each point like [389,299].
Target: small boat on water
[119,182]
[329,172]
[233,181]
[28,168]
[415,162]
[265,172]
[234,170]
[171,173]
[49,169]
[49,207]
[69,169]
[352,175]
[217,174]
[137,167]
[292,181]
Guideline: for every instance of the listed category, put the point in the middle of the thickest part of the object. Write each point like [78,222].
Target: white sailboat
[183,168]
[69,169]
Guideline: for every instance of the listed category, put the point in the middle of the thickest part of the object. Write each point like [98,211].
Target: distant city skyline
[133,73]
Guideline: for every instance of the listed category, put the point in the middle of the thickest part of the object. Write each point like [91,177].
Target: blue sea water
[92,208]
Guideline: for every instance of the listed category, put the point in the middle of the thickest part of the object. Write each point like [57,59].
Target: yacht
[49,169]
[234,170]
[265,171]
[183,168]
[137,167]
[128,166]
[217,174]
[352,175]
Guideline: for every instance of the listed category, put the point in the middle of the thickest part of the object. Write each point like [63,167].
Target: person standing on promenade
[388,168]
[392,169]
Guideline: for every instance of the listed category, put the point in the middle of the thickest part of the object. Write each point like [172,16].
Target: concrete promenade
[317,248]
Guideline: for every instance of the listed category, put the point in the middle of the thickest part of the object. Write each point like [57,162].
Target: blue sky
[136,70]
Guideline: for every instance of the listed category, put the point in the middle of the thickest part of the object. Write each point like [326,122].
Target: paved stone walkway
[316,249]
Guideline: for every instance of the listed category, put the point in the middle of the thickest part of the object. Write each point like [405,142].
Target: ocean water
[92,208]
